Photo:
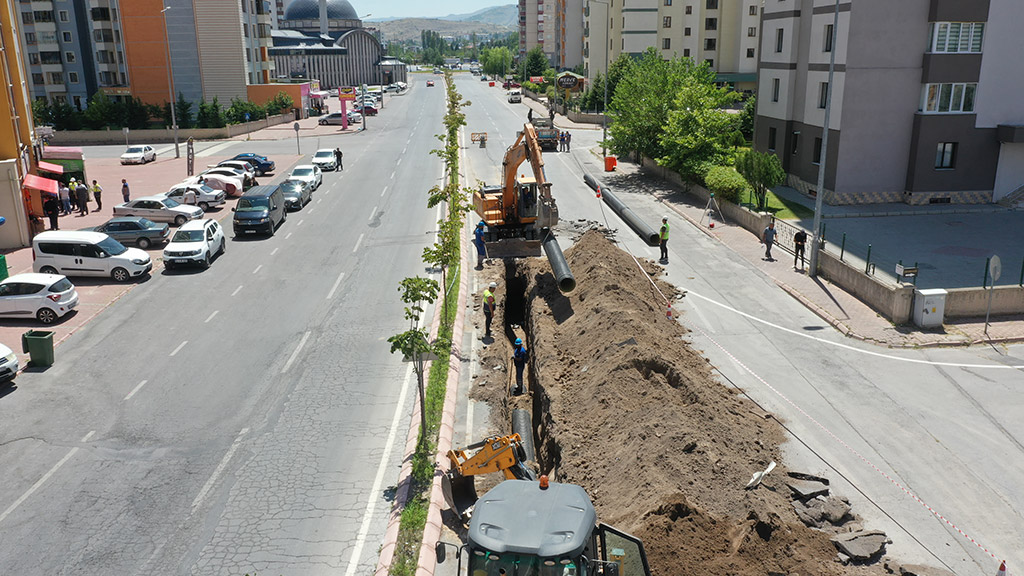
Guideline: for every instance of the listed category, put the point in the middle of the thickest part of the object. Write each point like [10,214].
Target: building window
[73,77]
[689,9]
[753,10]
[817,151]
[78,103]
[942,98]
[776,83]
[37,79]
[43,15]
[666,22]
[750,52]
[33,58]
[710,43]
[66,36]
[822,94]
[63,15]
[56,77]
[752,32]
[710,62]
[771,139]
[668,2]
[945,156]
[49,57]
[666,43]
[795,147]
[956,36]
[686,52]
[30,37]
[712,5]
[686,31]
[829,31]
[779,35]
[69,57]
[101,14]
[711,23]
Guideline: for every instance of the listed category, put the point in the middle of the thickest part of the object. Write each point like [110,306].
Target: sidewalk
[561,121]
[840,309]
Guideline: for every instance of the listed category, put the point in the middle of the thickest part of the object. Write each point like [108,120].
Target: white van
[87,254]
[514,95]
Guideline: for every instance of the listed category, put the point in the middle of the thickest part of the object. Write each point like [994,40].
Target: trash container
[929,307]
[298,113]
[3,267]
[609,163]
[39,345]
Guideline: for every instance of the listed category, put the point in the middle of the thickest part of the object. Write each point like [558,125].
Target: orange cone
[1002,569]
[669,313]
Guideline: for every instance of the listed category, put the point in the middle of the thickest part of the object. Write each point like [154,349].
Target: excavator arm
[503,454]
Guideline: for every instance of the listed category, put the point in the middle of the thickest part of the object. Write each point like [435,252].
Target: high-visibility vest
[488,299]
[664,231]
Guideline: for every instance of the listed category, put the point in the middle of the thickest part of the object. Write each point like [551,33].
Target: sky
[421,8]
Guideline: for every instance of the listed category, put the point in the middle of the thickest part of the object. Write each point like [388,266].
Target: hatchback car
[367,110]
[159,208]
[138,155]
[197,242]
[354,117]
[325,159]
[430,82]
[134,230]
[8,364]
[247,168]
[309,173]
[334,118]
[45,297]
[262,164]
[197,195]
[297,193]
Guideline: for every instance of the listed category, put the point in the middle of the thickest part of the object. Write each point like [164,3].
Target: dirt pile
[624,407]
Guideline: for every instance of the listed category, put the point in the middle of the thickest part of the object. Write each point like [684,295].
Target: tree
[136,114]
[183,108]
[101,112]
[536,63]
[42,112]
[65,117]
[210,114]
[280,103]
[726,183]
[236,113]
[762,171]
[413,343]
[746,123]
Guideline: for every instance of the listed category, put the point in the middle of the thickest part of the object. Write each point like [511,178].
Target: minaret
[323,17]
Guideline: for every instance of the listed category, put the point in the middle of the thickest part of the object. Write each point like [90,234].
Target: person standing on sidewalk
[799,240]
[97,194]
[568,140]
[520,356]
[768,238]
[481,246]
[663,237]
[65,199]
[51,209]
[82,191]
[125,192]
[489,306]
[73,195]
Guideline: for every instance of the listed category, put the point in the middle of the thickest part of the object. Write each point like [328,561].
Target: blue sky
[421,8]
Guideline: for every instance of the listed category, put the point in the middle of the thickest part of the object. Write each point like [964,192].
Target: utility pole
[170,85]
[818,203]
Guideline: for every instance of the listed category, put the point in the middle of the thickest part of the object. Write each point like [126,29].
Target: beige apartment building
[723,33]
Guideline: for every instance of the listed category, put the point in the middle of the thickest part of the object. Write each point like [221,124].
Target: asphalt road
[943,423]
[245,418]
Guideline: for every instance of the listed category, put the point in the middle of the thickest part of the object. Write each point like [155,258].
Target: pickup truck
[547,134]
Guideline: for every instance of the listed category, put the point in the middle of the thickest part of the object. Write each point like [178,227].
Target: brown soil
[623,406]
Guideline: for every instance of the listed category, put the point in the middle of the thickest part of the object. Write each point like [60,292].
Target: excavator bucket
[459,492]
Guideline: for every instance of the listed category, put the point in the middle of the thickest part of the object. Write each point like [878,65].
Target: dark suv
[260,209]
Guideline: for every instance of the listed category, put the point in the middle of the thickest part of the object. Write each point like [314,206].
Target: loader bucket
[459,492]
[513,248]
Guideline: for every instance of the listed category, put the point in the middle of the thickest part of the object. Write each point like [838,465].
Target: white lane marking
[384,191]
[300,223]
[372,212]
[136,389]
[219,470]
[335,287]
[371,502]
[180,346]
[289,235]
[392,175]
[311,210]
[216,148]
[237,290]
[274,251]
[210,317]
[257,269]
[318,200]
[47,476]
[399,163]
[358,242]
[295,354]
[852,348]
[406,148]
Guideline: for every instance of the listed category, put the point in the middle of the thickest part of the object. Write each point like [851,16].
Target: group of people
[799,244]
[564,140]
[520,355]
[72,196]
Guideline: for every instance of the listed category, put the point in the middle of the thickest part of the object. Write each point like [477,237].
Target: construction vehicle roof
[517,516]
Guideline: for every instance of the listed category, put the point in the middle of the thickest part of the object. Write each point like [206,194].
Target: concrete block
[861,546]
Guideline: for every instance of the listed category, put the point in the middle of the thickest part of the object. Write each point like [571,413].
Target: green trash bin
[3,267]
[39,345]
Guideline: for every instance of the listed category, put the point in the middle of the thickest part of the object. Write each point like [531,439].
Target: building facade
[925,98]
[723,33]
[538,26]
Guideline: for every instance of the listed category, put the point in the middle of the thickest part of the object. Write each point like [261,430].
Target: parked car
[87,254]
[508,85]
[325,160]
[310,173]
[159,208]
[261,209]
[197,242]
[247,169]
[392,88]
[297,193]
[334,118]
[401,85]
[45,297]
[367,110]
[138,155]
[483,77]
[262,164]
[8,364]
[430,83]
[232,172]
[134,230]
[201,195]
[231,185]
[354,117]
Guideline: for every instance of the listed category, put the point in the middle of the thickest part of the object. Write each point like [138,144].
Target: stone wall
[163,135]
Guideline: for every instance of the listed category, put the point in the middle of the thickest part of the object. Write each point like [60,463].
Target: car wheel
[179,220]
[48,270]
[204,206]
[120,275]
[144,243]
[46,316]
[206,261]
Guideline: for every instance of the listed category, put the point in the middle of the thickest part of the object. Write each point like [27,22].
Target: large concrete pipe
[639,226]
[559,267]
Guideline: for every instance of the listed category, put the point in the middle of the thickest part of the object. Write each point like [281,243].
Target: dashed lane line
[136,389]
[210,317]
[295,354]
[219,470]
[258,268]
[358,242]
[237,290]
[178,349]
[53,471]
[335,287]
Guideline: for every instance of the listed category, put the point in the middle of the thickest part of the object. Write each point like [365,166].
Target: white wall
[1010,172]
[1002,66]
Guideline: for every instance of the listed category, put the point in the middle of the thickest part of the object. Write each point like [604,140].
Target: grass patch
[780,207]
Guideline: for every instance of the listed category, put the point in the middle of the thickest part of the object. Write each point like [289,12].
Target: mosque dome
[310,10]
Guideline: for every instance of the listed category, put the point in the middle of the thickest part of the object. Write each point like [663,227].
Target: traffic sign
[995,268]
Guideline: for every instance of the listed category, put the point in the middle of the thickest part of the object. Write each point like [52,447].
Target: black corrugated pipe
[559,267]
[639,226]
[521,420]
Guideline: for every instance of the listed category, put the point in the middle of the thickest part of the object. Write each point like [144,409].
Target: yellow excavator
[503,454]
[517,212]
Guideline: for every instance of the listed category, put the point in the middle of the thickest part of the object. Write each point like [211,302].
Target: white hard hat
[494,285]
[664,218]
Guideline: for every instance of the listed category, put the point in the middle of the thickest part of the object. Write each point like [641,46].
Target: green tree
[726,183]
[699,132]
[183,108]
[210,114]
[101,112]
[536,63]
[136,114]
[236,113]
[66,117]
[42,112]
[746,123]
[643,97]
[762,171]
[413,343]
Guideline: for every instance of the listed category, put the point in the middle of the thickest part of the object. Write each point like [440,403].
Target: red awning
[40,183]
[64,152]
[48,167]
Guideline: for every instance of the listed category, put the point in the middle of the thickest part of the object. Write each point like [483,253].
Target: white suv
[325,159]
[196,242]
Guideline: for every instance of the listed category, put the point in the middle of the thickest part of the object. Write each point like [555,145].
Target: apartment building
[537,27]
[723,33]
[73,49]
[925,99]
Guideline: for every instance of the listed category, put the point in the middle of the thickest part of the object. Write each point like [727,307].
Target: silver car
[159,209]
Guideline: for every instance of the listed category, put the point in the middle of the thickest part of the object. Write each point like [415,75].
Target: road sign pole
[995,270]
[297,149]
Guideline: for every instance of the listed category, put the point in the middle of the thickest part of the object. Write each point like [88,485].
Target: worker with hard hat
[481,247]
[489,306]
[663,237]
[520,356]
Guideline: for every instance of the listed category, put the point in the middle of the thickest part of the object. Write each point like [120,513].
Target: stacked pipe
[639,226]
[559,267]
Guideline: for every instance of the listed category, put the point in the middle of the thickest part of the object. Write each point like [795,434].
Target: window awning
[64,152]
[48,167]
[40,183]
[319,94]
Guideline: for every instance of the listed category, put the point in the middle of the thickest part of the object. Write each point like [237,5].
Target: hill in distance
[404,29]
[500,15]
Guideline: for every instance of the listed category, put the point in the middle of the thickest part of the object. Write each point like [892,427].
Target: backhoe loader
[503,454]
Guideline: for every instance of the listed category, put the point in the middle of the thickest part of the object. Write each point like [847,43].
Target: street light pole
[823,155]
[604,108]
[170,85]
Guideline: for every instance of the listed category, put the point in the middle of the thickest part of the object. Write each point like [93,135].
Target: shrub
[726,183]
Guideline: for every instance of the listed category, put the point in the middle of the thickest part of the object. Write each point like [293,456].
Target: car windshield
[61,285]
[294,186]
[111,246]
[170,203]
[325,154]
[134,150]
[302,172]
[251,204]
[188,236]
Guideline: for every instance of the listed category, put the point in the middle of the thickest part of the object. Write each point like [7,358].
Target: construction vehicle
[537,528]
[547,134]
[517,212]
[503,454]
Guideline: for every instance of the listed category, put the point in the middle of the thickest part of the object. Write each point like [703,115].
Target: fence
[163,135]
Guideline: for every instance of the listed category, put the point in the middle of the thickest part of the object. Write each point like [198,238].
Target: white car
[325,159]
[159,208]
[231,185]
[138,155]
[45,297]
[354,117]
[8,364]
[197,195]
[247,168]
[197,242]
[308,172]
[231,172]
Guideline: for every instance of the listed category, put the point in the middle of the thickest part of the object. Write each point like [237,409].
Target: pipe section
[639,226]
[559,267]
[522,425]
